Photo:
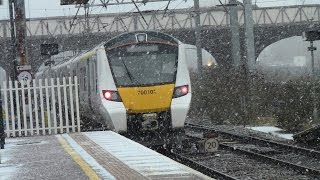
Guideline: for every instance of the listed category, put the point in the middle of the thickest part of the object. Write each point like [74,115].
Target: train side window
[95,74]
[92,76]
[85,78]
[89,77]
[87,74]
[82,77]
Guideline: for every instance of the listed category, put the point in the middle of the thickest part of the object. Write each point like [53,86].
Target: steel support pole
[135,22]
[198,36]
[249,36]
[21,31]
[314,100]
[86,17]
[2,135]
[235,37]
[12,74]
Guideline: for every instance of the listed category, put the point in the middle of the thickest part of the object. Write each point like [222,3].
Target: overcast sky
[48,8]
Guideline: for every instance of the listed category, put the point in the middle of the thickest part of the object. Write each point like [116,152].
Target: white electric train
[135,82]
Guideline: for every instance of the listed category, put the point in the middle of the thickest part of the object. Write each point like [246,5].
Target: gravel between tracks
[245,168]
[240,130]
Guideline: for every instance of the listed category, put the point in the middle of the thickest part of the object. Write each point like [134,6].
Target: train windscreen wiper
[128,72]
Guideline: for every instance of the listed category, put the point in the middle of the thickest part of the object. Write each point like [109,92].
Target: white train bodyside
[95,76]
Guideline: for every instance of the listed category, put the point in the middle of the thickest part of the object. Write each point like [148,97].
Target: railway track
[214,173]
[302,160]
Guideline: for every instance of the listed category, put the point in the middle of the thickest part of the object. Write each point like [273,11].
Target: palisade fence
[41,107]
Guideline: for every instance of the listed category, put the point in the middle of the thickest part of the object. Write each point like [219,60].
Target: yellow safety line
[75,156]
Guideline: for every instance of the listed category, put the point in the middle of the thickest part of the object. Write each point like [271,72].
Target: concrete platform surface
[89,155]
[40,157]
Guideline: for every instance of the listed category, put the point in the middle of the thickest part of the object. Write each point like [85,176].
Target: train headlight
[141,37]
[181,91]
[111,95]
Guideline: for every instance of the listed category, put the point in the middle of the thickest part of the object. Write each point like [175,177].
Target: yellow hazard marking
[87,56]
[147,99]
[4,114]
[75,156]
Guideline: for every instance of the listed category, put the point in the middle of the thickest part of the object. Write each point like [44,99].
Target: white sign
[211,145]
[24,68]
[24,76]
[300,61]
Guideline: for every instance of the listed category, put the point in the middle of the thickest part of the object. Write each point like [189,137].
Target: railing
[162,20]
[41,107]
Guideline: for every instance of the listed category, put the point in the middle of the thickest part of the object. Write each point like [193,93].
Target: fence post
[2,140]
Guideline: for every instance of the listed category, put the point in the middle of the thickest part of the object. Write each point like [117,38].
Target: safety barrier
[40,107]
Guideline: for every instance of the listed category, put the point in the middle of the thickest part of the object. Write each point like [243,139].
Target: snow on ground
[274,131]
[7,169]
[88,158]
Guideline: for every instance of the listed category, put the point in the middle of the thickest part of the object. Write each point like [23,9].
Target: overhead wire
[268,1]
[92,7]
[129,14]
[224,7]
[105,4]
[74,18]
[139,12]
[125,16]
[121,19]
[174,23]
[165,13]
[166,9]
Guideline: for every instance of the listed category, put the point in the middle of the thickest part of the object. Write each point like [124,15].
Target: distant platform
[87,155]
[275,131]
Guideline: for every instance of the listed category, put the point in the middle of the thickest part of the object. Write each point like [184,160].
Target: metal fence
[40,107]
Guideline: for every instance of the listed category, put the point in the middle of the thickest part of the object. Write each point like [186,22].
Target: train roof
[122,38]
[131,37]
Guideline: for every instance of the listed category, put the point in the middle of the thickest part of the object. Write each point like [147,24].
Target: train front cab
[152,82]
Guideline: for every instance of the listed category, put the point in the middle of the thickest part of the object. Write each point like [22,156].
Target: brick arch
[214,39]
[265,36]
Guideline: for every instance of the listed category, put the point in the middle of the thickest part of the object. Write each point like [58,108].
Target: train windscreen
[143,64]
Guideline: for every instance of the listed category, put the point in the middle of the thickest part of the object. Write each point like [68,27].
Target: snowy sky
[47,8]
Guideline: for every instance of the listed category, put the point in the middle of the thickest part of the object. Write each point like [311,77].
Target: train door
[92,81]
[82,83]
[88,81]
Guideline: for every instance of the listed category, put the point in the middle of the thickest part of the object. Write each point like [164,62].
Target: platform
[87,155]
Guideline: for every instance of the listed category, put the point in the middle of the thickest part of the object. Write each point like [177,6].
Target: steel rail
[199,167]
[301,169]
[309,152]
[263,158]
